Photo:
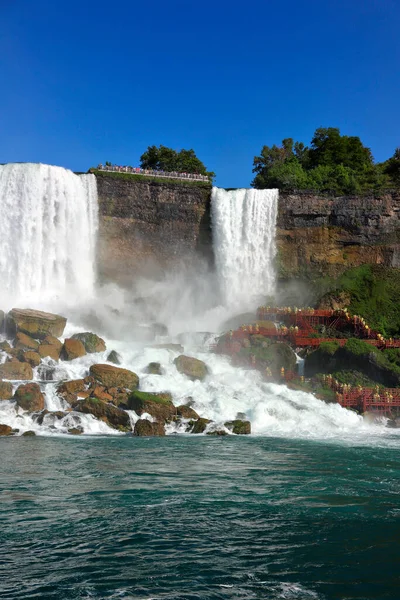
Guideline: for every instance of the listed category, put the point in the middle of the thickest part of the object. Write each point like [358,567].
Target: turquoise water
[197,518]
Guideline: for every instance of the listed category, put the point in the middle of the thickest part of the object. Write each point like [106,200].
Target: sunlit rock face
[321,235]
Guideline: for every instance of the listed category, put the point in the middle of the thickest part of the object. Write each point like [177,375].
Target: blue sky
[85,82]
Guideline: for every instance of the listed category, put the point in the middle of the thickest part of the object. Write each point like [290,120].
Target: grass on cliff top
[150,179]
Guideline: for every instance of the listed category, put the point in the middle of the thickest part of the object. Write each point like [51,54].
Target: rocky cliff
[147,225]
[320,235]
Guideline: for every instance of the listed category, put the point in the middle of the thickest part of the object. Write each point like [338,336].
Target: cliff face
[320,236]
[146,226]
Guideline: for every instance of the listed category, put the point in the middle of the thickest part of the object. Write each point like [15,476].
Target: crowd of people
[151,172]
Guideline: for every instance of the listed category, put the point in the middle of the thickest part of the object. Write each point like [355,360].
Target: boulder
[143,427]
[239,427]
[5,346]
[186,412]
[28,433]
[75,430]
[112,415]
[6,430]
[25,342]
[72,390]
[6,390]
[92,342]
[72,349]
[16,370]
[58,414]
[119,397]
[114,357]
[50,350]
[33,358]
[114,376]
[29,397]
[159,406]
[200,425]
[191,367]
[50,340]
[35,323]
[217,432]
[154,368]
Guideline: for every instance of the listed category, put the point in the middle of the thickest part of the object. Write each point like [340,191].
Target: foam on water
[48,234]
[244,223]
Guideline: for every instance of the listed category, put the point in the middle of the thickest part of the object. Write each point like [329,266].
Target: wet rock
[217,432]
[114,376]
[145,428]
[70,391]
[16,370]
[25,342]
[186,412]
[29,397]
[6,430]
[119,397]
[154,368]
[50,340]
[114,357]
[200,425]
[112,415]
[191,367]
[35,323]
[239,427]
[159,406]
[72,349]
[46,372]
[101,393]
[92,342]
[58,414]
[75,430]
[33,358]
[6,390]
[5,346]
[50,350]
[28,433]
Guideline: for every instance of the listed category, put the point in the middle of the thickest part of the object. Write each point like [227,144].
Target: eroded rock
[29,397]
[145,428]
[16,370]
[6,430]
[72,349]
[92,342]
[191,367]
[35,323]
[111,376]
[239,427]
[112,415]
[6,390]
[159,406]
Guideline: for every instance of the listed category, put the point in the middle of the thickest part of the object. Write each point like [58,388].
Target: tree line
[332,163]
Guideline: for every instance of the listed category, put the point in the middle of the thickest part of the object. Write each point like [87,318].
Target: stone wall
[148,226]
[325,236]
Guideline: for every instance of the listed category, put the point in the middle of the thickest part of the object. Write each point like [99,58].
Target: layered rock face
[146,226]
[320,235]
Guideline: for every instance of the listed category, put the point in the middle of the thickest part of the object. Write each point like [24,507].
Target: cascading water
[244,223]
[48,233]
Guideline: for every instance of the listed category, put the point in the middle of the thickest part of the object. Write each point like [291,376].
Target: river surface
[182,518]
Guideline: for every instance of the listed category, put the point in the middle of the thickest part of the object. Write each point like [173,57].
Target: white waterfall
[49,220]
[244,224]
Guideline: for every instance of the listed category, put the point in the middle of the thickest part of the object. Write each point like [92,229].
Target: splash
[244,224]
[48,234]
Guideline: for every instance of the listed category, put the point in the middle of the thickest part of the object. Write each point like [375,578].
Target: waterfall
[244,224]
[48,226]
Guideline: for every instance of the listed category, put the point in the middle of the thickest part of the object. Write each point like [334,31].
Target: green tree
[163,158]
[392,167]
[328,147]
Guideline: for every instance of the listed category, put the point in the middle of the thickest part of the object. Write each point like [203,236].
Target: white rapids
[49,219]
[244,224]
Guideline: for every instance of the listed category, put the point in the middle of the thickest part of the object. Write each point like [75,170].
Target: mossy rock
[159,406]
[29,433]
[92,342]
[114,416]
[239,427]
[275,356]
[193,368]
[199,426]
[186,412]
[145,428]
[111,376]
[29,397]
